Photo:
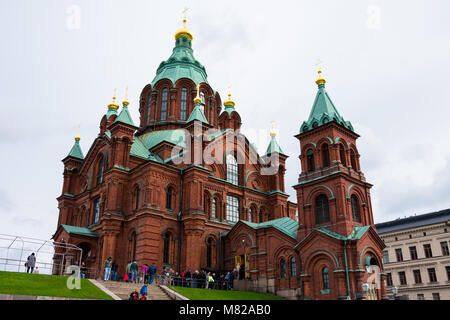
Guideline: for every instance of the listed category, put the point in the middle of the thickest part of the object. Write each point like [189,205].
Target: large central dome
[181,63]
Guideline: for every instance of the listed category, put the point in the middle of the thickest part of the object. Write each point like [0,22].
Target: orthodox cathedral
[185,189]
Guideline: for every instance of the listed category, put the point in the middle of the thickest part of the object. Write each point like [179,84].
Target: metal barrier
[192,282]
[51,257]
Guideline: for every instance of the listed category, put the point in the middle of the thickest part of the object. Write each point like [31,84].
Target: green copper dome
[76,152]
[181,64]
[323,111]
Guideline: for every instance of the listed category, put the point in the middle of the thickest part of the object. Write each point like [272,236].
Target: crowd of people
[147,274]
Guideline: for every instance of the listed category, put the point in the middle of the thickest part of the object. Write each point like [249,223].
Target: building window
[355,209]
[164,104]
[322,210]
[399,255]
[232,209]
[283,269]
[402,278]
[353,160]
[447,268]
[149,106]
[310,160]
[100,170]
[436,296]
[444,247]
[342,155]
[427,250]
[132,247]
[166,248]
[325,155]
[251,214]
[389,280]
[325,279]
[420,296]
[214,208]
[417,276]
[232,170]
[293,268]
[432,275]
[169,196]
[203,104]
[385,256]
[96,210]
[260,216]
[183,106]
[413,253]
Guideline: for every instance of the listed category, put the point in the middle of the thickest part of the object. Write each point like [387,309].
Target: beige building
[416,257]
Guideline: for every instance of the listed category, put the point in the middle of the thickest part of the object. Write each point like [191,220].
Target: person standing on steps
[151,273]
[107,265]
[114,268]
[134,270]
[128,272]
[31,263]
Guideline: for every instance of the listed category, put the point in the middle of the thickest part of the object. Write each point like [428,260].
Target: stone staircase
[124,289]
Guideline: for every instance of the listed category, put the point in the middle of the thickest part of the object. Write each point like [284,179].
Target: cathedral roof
[76,150]
[323,110]
[197,114]
[181,64]
[80,231]
[274,147]
[124,116]
[285,225]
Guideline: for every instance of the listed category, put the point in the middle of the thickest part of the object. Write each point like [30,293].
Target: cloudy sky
[386,63]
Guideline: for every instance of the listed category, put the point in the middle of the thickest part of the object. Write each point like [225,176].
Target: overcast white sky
[386,63]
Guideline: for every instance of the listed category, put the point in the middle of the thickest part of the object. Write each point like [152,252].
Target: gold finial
[272,132]
[320,80]
[113,104]
[197,97]
[77,137]
[229,102]
[125,101]
[184,32]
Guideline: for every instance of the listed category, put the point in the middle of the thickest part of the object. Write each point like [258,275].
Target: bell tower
[332,191]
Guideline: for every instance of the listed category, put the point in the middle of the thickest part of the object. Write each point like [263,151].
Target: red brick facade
[145,204]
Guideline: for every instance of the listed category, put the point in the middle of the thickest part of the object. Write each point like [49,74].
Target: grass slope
[46,285]
[207,294]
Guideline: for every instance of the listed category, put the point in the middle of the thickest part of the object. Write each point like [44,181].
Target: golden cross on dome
[77,138]
[272,132]
[319,63]
[184,17]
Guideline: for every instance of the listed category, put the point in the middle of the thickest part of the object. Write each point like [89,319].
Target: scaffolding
[51,257]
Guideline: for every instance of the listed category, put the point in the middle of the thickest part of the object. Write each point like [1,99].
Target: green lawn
[207,294]
[46,285]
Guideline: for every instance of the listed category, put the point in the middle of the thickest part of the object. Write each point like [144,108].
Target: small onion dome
[184,32]
[113,104]
[229,102]
[320,80]
[197,97]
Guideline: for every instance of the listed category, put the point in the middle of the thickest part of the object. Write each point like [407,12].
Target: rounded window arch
[169,198]
[232,170]
[100,169]
[183,105]
[166,249]
[252,214]
[325,279]
[282,268]
[149,106]
[136,195]
[353,159]
[356,214]
[132,247]
[310,160]
[214,208]
[293,264]
[342,155]
[325,155]
[164,97]
[322,209]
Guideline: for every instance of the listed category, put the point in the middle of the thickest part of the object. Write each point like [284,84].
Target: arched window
[203,104]
[207,204]
[164,104]
[166,247]
[96,211]
[282,268]
[293,268]
[353,159]
[310,159]
[260,216]
[342,155]
[232,170]
[325,279]
[169,195]
[251,215]
[149,107]
[100,170]
[214,208]
[322,210]
[208,252]
[325,155]
[137,191]
[355,209]
[183,106]
[232,209]
[132,247]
